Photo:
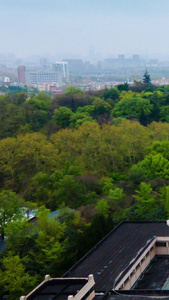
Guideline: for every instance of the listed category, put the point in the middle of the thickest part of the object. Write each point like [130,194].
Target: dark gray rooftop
[108,259]
[156,276]
[115,252]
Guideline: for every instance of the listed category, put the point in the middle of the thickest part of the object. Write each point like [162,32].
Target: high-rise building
[76,66]
[43,61]
[62,66]
[136,58]
[21,74]
[121,58]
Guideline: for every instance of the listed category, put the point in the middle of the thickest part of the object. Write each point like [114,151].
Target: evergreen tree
[146,78]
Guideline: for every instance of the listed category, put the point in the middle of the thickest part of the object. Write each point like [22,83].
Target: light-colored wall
[85,289]
[137,268]
[91,296]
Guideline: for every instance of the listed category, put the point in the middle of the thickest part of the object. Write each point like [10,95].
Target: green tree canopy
[13,278]
[62,116]
[144,197]
[74,90]
[103,208]
[79,118]
[101,106]
[132,105]
[153,166]
[10,208]
[112,93]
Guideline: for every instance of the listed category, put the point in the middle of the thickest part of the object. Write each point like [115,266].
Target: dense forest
[96,157]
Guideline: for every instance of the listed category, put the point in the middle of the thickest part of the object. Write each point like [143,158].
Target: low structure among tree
[131,262]
[63,288]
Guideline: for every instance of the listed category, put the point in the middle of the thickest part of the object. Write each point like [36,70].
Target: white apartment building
[40,77]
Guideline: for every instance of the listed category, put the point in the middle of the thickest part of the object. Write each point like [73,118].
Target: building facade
[40,77]
[62,67]
[21,74]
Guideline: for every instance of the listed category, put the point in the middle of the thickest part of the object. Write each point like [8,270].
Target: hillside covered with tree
[96,157]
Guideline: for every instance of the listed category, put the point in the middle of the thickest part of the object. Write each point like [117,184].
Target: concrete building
[130,263]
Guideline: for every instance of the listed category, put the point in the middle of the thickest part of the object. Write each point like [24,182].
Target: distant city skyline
[76,27]
[49,59]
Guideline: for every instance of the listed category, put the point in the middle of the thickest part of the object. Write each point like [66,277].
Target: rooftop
[131,262]
[116,252]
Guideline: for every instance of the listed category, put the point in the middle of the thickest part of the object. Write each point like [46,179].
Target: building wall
[21,74]
[43,77]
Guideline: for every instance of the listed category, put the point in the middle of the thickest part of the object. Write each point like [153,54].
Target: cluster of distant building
[52,77]
[49,79]
[78,66]
[86,75]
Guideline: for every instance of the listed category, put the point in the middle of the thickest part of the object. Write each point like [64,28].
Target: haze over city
[80,28]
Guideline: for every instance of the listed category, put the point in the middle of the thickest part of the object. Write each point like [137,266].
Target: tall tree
[146,78]
[144,197]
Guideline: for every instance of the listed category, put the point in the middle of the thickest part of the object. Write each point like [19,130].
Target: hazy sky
[30,27]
